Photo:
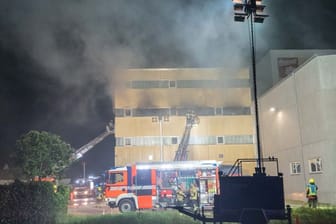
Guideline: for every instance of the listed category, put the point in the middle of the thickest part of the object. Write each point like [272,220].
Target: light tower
[253,11]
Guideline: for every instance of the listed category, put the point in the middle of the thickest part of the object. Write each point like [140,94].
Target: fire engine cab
[154,185]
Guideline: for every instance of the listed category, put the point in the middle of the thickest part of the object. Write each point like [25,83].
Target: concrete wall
[302,127]
[268,67]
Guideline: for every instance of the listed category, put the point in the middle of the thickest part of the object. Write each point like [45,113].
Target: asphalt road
[94,208]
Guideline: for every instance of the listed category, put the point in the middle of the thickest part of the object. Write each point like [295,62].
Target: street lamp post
[160,119]
[252,10]
[161,139]
[84,166]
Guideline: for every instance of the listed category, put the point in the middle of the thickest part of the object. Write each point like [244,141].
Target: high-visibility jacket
[193,193]
[311,190]
[180,195]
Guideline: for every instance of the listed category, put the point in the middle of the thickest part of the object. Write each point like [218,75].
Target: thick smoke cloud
[82,43]
[79,37]
[60,57]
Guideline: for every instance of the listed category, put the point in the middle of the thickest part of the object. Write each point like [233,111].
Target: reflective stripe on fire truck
[132,188]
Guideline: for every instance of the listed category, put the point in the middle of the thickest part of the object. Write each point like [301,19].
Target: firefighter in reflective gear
[311,193]
[193,191]
[99,193]
[180,196]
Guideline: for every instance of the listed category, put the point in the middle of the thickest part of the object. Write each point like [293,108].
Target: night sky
[59,58]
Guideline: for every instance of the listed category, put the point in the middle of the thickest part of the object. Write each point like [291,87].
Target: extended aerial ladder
[85,148]
[192,120]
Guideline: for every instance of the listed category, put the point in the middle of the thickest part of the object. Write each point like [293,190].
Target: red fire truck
[154,185]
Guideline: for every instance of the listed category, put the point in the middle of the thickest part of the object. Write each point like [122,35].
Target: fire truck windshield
[115,178]
[81,183]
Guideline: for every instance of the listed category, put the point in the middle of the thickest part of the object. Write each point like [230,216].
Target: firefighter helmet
[311,181]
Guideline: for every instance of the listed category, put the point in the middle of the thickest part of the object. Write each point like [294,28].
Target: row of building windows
[166,112]
[173,140]
[223,83]
[315,166]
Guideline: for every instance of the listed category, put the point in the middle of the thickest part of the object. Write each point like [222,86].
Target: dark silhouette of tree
[43,154]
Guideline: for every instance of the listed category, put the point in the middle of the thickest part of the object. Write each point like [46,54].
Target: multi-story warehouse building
[298,123]
[151,107]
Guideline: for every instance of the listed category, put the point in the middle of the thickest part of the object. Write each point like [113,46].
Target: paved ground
[92,208]
[100,208]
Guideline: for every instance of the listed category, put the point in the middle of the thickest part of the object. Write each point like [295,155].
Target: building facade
[151,107]
[298,126]
[278,64]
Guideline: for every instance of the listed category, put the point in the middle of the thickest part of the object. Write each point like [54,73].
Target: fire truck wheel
[126,205]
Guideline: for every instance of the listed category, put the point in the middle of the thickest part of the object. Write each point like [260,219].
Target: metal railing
[236,169]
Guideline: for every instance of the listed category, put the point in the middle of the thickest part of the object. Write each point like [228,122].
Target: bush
[315,216]
[33,202]
[61,199]
[143,217]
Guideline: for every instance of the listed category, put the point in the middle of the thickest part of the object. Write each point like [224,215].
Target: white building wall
[303,126]
[264,74]
[268,67]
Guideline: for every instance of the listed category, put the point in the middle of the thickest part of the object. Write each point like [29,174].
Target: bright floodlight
[246,8]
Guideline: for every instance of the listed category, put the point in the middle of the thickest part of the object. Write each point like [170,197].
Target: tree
[43,154]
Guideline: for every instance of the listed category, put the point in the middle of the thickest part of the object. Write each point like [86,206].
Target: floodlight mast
[252,10]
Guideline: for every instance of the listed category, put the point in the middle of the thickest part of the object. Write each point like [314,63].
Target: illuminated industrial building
[151,107]
[297,119]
